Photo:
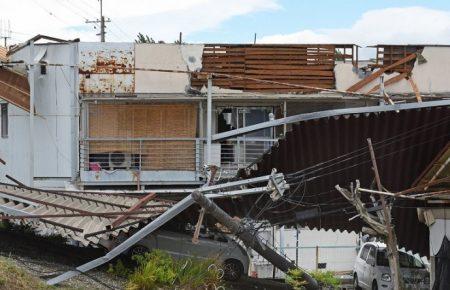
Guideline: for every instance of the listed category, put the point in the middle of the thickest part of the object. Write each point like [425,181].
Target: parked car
[372,270]
[229,253]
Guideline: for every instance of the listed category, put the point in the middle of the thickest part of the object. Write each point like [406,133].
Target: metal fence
[151,154]
[146,154]
[242,152]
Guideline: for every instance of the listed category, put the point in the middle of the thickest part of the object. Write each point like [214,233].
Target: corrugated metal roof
[25,201]
[405,143]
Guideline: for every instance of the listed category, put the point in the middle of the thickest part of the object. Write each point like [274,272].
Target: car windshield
[406,260]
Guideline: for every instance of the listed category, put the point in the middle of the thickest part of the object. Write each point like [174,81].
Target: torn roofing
[72,214]
[318,154]
[14,88]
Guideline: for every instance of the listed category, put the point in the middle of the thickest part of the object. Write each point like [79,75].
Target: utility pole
[102,22]
[391,238]
[381,224]
[5,33]
[251,239]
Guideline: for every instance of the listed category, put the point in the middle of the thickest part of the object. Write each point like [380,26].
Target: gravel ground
[47,258]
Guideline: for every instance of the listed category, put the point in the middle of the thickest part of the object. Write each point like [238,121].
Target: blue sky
[295,15]
[363,22]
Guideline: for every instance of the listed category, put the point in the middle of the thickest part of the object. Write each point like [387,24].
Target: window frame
[4,120]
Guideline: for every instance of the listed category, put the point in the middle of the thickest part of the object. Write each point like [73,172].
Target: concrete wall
[430,77]
[55,143]
[166,57]
[337,249]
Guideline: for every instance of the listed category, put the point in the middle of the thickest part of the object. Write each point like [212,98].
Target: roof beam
[367,80]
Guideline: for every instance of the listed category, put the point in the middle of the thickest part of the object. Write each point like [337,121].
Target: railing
[142,154]
[242,152]
[180,154]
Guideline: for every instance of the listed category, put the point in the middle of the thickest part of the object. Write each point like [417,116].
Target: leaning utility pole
[391,238]
[380,225]
[102,22]
[250,238]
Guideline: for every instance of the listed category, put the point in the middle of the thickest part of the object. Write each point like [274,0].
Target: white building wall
[55,106]
[337,249]
[166,57]
[431,77]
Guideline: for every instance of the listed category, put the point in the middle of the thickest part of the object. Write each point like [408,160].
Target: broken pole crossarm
[364,214]
[249,239]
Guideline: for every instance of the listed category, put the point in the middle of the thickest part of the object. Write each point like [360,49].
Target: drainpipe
[209,121]
[74,112]
[32,96]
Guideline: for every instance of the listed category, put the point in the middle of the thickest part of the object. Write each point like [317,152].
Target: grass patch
[15,278]
[158,270]
[324,278]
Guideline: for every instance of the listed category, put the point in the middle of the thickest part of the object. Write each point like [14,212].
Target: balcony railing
[145,154]
[169,154]
[242,152]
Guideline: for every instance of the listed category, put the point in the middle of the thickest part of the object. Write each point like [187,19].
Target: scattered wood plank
[389,82]
[367,80]
[143,201]
[415,89]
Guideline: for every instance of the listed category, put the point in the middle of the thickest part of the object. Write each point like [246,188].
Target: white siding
[54,104]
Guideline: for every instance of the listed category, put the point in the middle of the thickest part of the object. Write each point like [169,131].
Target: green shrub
[158,270]
[119,269]
[324,278]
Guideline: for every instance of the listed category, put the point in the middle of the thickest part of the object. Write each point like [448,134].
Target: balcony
[141,160]
[145,161]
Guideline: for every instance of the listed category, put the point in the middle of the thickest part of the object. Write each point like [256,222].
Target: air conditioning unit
[119,160]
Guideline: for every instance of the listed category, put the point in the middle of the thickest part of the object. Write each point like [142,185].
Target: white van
[372,271]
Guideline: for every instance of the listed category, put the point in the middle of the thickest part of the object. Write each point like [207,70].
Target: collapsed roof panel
[79,215]
[319,154]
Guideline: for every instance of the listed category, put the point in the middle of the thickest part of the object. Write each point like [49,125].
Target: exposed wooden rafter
[367,80]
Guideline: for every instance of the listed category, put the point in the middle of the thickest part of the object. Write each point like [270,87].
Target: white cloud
[411,25]
[161,19]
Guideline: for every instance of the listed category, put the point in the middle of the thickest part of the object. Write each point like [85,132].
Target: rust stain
[108,70]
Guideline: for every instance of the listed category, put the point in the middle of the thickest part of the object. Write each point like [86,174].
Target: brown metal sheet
[405,143]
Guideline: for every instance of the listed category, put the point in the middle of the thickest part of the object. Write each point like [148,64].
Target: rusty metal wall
[106,68]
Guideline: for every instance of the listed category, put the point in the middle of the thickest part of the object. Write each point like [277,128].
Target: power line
[102,22]
[50,12]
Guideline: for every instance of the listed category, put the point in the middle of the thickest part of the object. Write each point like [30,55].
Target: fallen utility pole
[171,213]
[249,238]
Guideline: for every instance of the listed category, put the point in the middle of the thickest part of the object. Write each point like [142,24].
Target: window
[364,252]
[406,260]
[371,255]
[43,69]
[4,120]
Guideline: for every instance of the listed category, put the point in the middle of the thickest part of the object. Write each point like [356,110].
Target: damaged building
[81,116]
[125,114]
